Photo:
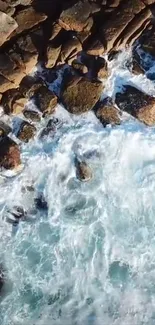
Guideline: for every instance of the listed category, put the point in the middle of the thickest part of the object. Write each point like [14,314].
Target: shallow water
[90,258]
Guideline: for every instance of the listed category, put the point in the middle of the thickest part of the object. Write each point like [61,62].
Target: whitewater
[90,258]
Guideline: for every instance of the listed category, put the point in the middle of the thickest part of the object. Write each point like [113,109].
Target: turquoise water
[90,258]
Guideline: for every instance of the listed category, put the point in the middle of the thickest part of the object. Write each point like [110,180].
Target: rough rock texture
[31,115]
[108,114]
[81,95]
[83,171]
[45,100]
[9,154]
[7,26]
[138,104]
[26,131]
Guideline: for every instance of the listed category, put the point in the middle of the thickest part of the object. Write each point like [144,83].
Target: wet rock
[46,100]
[138,104]
[41,203]
[7,26]
[148,42]
[137,68]
[79,67]
[70,50]
[108,114]
[77,17]
[32,115]
[26,131]
[5,129]
[9,154]
[83,171]
[28,18]
[81,95]
[29,84]
[50,128]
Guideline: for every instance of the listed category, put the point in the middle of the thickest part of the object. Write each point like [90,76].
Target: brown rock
[32,115]
[138,104]
[9,154]
[11,71]
[52,56]
[83,171]
[108,114]
[81,95]
[95,48]
[13,101]
[79,67]
[137,68]
[45,100]
[4,7]
[56,28]
[7,26]
[5,84]
[26,131]
[77,17]
[28,18]
[69,50]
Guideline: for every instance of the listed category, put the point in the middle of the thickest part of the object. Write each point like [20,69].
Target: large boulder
[9,154]
[78,17]
[137,103]
[80,95]
[7,26]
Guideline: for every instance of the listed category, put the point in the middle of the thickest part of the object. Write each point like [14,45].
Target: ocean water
[90,258]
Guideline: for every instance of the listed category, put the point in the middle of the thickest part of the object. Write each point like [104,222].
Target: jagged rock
[81,95]
[11,72]
[32,115]
[26,131]
[9,154]
[13,101]
[28,18]
[95,48]
[7,26]
[137,68]
[80,67]
[56,28]
[138,104]
[52,55]
[45,100]
[83,171]
[77,17]
[29,85]
[108,114]
[69,50]
[117,30]
[5,129]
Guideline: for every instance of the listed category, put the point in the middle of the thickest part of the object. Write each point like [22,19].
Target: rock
[56,29]
[1,278]
[136,68]
[70,50]
[40,202]
[79,67]
[7,26]
[9,154]
[148,42]
[52,56]
[13,102]
[83,171]
[5,84]
[29,52]
[50,128]
[95,48]
[108,114]
[81,95]
[26,131]
[29,86]
[11,71]
[138,104]
[32,115]
[5,129]
[4,7]
[45,100]
[77,17]
[28,18]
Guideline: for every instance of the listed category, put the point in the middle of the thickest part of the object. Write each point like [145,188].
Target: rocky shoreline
[41,40]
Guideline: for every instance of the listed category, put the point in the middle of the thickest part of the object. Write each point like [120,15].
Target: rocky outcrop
[138,104]
[9,154]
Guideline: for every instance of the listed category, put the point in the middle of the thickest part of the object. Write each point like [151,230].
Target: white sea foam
[91,258]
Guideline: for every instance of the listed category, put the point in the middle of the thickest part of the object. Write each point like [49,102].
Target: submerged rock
[40,202]
[137,103]
[83,171]
[31,115]
[9,154]
[5,129]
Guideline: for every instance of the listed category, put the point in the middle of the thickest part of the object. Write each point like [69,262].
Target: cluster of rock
[52,34]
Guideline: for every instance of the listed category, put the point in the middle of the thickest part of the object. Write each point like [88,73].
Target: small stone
[26,131]
[32,115]
[9,154]
[83,171]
